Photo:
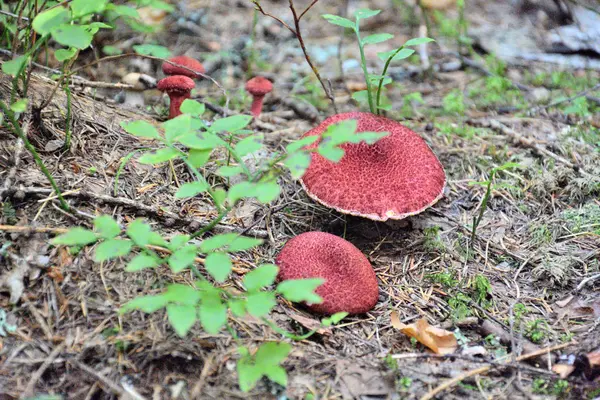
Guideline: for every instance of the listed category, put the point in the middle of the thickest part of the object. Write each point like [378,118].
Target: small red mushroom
[350,282]
[178,88]
[394,178]
[185,61]
[258,87]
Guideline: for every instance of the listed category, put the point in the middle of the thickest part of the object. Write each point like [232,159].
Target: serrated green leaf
[364,13]
[72,36]
[301,143]
[241,243]
[217,242]
[192,107]
[228,171]
[85,7]
[150,49]
[191,189]
[297,163]
[75,237]
[181,317]
[249,145]
[147,304]
[237,307]
[298,290]
[177,241]
[198,158]
[141,129]
[140,262]
[112,248]
[140,232]
[182,294]
[331,153]
[13,67]
[418,41]
[177,127]
[157,240]
[340,21]
[248,375]
[158,156]
[218,265]
[231,124]
[106,227]
[377,38]
[201,140]
[260,304]
[47,20]
[260,277]
[212,314]
[182,258]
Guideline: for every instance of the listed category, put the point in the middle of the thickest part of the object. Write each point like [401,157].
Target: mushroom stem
[256,106]
[176,98]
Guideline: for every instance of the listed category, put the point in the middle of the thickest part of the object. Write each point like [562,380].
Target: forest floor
[524,279]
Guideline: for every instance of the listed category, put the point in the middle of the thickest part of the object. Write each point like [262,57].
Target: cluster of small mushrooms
[394,178]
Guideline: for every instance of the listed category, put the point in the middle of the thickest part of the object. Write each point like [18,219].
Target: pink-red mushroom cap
[185,61]
[258,87]
[394,178]
[350,282]
[178,88]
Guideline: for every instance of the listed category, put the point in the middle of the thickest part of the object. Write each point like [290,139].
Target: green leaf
[147,304]
[152,49]
[191,189]
[400,55]
[418,41]
[19,106]
[181,317]
[301,143]
[94,27]
[140,232]
[13,67]
[85,7]
[260,304]
[212,313]
[177,127]
[336,20]
[198,158]
[65,54]
[158,156]
[377,38]
[218,265]
[248,375]
[272,353]
[217,242]
[124,11]
[177,241]
[297,163]
[75,237]
[298,290]
[249,145]
[106,227]
[365,13]
[362,96]
[140,262]
[260,277]
[264,192]
[47,20]
[264,363]
[331,153]
[182,294]
[231,124]
[112,248]
[334,319]
[237,307]
[228,171]
[157,240]
[111,50]
[72,36]
[241,243]
[201,140]
[141,129]
[277,374]
[182,258]
[192,107]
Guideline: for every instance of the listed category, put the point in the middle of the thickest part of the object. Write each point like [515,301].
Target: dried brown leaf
[440,341]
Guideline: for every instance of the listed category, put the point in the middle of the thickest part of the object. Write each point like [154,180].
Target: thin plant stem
[385,68]
[68,117]
[16,128]
[363,62]
[484,202]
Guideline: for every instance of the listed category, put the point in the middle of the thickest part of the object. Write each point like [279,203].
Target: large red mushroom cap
[258,87]
[195,65]
[394,178]
[350,282]
[178,88]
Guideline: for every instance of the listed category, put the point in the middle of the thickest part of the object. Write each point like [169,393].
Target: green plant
[372,96]
[189,140]
[489,184]
[483,289]
[537,330]
[446,279]
[432,241]
[454,102]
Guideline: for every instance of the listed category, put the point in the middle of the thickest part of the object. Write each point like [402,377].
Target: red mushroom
[185,61]
[178,88]
[394,178]
[350,282]
[258,87]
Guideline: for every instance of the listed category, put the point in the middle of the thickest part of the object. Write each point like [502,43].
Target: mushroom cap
[259,86]
[350,282]
[139,81]
[394,178]
[176,84]
[195,65]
